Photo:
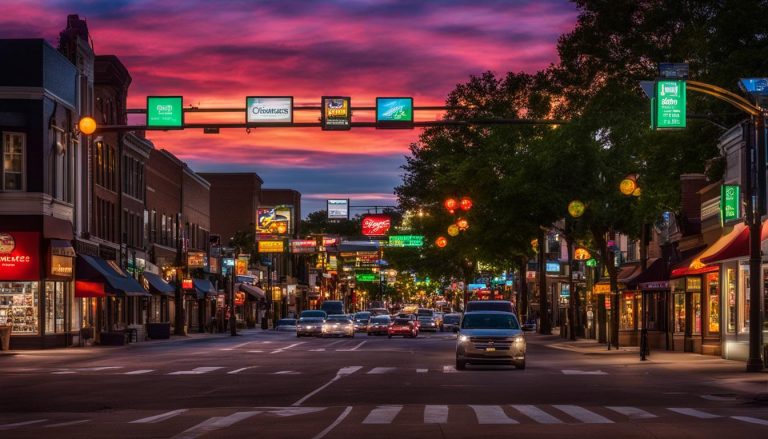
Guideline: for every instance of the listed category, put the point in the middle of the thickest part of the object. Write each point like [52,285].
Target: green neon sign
[365,277]
[406,241]
[165,112]
[730,202]
[669,104]
[591,262]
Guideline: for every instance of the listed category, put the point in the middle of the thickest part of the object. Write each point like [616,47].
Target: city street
[269,384]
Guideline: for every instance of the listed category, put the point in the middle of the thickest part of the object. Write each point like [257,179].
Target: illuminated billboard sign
[336,113]
[276,246]
[730,203]
[165,113]
[303,245]
[670,104]
[268,109]
[394,112]
[406,241]
[19,256]
[376,224]
[274,220]
[338,209]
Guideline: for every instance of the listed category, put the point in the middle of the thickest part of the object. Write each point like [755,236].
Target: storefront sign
[165,112]
[659,285]
[330,242]
[608,302]
[365,277]
[338,209]
[581,254]
[376,224]
[268,109]
[336,114]
[274,220]
[601,289]
[693,284]
[214,265]
[472,287]
[565,290]
[670,104]
[61,266]
[394,112]
[241,266]
[19,256]
[553,267]
[730,203]
[406,241]
[530,275]
[303,245]
[239,298]
[195,259]
[187,284]
[277,246]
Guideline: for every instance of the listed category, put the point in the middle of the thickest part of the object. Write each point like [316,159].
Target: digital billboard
[376,224]
[670,103]
[338,209]
[394,112]
[165,113]
[336,113]
[730,203]
[274,220]
[268,109]
[303,245]
[277,246]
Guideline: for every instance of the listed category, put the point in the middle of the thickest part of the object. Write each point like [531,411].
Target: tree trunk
[545,325]
[608,260]
[522,306]
[571,290]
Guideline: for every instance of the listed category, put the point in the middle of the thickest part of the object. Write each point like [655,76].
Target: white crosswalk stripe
[67,424]
[751,420]
[449,369]
[492,414]
[381,370]
[139,372]
[583,414]
[633,412]
[436,414]
[422,370]
[21,424]
[383,414]
[537,414]
[693,412]
[159,418]
[213,424]
[196,371]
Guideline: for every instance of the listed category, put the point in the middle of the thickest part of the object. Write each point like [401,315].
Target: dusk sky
[214,53]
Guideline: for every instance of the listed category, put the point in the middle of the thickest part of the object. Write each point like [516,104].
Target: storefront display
[628,306]
[730,279]
[678,317]
[713,297]
[18,306]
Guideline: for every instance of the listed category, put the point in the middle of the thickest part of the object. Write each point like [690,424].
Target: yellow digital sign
[271,246]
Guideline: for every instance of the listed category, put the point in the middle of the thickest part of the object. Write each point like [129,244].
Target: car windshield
[310,319]
[286,322]
[313,313]
[338,319]
[489,321]
[451,319]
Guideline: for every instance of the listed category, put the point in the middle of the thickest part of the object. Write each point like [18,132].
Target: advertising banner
[268,109]
[365,277]
[276,246]
[670,103]
[19,256]
[730,203]
[303,245]
[406,241]
[338,209]
[274,220]
[337,113]
[165,113]
[195,259]
[376,224]
[394,112]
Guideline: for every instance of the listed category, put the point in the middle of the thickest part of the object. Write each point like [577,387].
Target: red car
[404,327]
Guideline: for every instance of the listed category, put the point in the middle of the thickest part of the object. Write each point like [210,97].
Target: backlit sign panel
[276,246]
[268,109]
[165,113]
[730,203]
[274,220]
[19,256]
[365,277]
[303,245]
[187,284]
[338,209]
[406,241]
[394,112]
[553,267]
[195,259]
[670,104]
[336,113]
[376,224]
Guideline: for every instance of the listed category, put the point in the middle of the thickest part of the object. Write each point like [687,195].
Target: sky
[214,53]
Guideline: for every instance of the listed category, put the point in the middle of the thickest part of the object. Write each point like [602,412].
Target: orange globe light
[87,125]
[453,230]
[628,186]
[462,224]
[465,203]
[450,204]
[576,208]
[441,241]
[636,192]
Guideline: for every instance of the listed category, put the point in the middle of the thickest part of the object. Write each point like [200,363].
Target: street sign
[406,241]
[669,104]
[730,203]
[365,277]
[671,70]
[165,113]
[336,113]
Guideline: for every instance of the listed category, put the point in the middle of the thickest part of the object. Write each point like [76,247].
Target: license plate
[490,349]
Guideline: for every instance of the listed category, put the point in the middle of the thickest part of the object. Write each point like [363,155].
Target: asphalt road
[274,385]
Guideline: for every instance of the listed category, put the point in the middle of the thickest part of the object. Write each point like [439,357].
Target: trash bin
[5,337]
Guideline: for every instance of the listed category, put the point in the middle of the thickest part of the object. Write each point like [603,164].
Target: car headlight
[519,339]
[463,339]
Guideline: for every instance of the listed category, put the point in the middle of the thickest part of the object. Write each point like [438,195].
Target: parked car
[286,325]
[490,305]
[311,326]
[313,313]
[379,325]
[338,324]
[428,323]
[403,326]
[333,307]
[490,337]
[361,320]
[451,322]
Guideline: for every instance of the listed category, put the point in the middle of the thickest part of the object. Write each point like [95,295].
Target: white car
[338,325]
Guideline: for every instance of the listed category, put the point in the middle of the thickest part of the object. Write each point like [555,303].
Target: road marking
[67,424]
[381,370]
[583,414]
[213,424]
[236,371]
[287,372]
[352,349]
[693,412]
[196,371]
[236,346]
[293,411]
[383,414]
[63,372]
[449,369]
[436,414]
[633,412]
[750,420]
[537,414]
[422,370]
[583,372]
[159,418]
[256,352]
[335,342]
[338,420]
[349,370]
[317,350]
[277,351]
[21,424]
[139,372]
[492,414]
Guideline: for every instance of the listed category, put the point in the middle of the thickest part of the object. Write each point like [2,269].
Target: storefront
[249,301]
[695,324]
[157,305]
[201,305]
[36,289]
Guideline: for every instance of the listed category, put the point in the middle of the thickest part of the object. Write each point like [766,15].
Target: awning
[158,285]
[60,247]
[693,265]
[94,269]
[655,276]
[734,245]
[204,288]
[89,289]
[627,272]
[253,290]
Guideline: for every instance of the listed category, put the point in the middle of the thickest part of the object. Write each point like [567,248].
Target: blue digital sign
[553,267]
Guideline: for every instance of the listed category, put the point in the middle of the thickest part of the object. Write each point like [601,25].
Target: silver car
[339,324]
[311,326]
[451,322]
[490,337]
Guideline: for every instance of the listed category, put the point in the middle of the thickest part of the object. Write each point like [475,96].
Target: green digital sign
[406,241]
[365,277]
[165,113]
[730,202]
[669,104]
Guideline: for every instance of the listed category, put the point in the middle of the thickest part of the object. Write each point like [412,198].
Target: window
[153,226]
[713,302]
[730,276]
[13,147]
[679,312]
[54,307]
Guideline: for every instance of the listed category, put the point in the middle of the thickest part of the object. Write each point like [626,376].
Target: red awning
[736,244]
[89,289]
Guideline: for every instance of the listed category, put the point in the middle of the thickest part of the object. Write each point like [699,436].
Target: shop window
[696,310]
[713,303]
[12,147]
[742,300]
[19,305]
[730,276]
[628,307]
[679,312]
[54,307]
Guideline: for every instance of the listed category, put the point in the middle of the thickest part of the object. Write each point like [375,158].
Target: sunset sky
[214,53]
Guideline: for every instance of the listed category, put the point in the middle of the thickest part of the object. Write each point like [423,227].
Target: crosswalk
[198,422]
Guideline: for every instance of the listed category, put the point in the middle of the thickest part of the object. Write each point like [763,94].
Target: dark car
[379,325]
[362,319]
[286,325]
[333,307]
[428,323]
[404,327]
[490,305]
[312,326]
[313,313]
[451,322]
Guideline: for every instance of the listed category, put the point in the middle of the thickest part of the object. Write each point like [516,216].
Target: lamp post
[575,210]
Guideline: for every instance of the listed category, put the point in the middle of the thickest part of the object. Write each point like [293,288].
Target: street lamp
[87,125]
